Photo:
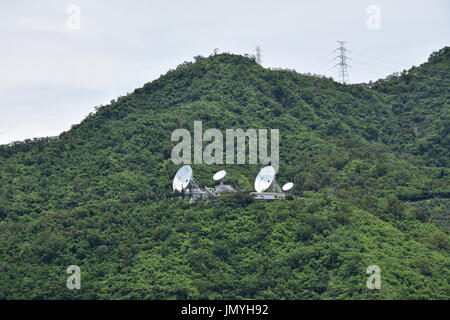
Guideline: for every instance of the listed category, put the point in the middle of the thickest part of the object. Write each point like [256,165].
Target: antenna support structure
[343,65]
[258,55]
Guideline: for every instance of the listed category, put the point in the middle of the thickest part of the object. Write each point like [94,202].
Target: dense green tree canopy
[370,163]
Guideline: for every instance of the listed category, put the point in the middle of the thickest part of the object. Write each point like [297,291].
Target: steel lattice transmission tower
[258,55]
[343,71]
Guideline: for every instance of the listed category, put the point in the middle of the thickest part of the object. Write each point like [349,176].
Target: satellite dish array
[265,185]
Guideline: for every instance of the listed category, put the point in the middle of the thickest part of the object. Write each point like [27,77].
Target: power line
[324,65]
[377,58]
[332,67]
[366,70]
[313,66]
[343,63]
[371,64]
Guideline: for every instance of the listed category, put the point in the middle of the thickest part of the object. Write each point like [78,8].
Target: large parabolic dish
[264,179]
[182,179]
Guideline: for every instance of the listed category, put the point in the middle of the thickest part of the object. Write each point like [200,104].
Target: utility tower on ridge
[343,71]
[258,55]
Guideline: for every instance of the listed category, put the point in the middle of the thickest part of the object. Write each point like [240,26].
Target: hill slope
[375,194]
[421,109]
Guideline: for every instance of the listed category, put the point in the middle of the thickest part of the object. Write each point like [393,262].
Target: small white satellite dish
[219,175]
[264,179]
[182,179]
[288,186]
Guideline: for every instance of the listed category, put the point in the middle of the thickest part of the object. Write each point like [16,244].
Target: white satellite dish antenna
[182,179]
[219,175]
[264,179]
[288,186]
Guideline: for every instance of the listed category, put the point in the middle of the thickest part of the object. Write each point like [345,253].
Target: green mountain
[370,163]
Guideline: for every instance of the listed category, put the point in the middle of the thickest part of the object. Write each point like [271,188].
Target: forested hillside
[370,163]
[420,109]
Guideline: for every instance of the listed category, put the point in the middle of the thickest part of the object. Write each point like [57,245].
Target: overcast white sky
[51,76]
